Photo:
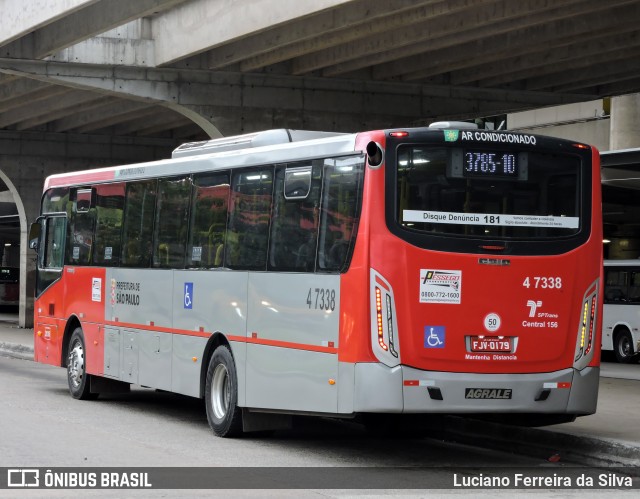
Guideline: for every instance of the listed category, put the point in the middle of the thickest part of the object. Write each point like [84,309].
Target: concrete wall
[589,122]
[625,122]
[585,122]
[27,158]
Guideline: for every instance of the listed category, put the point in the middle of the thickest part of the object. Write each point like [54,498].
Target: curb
[16,351]
[553,446]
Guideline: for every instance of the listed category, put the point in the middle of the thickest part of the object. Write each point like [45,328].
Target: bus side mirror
[375,154]
[34,235]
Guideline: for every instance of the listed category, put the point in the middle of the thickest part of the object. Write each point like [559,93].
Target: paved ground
[612,435]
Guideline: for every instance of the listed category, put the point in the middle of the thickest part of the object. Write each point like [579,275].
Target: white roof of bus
[193,162]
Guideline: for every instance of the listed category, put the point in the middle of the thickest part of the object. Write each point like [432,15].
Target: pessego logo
[487,393]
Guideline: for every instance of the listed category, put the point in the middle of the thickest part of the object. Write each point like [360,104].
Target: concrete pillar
[625,122]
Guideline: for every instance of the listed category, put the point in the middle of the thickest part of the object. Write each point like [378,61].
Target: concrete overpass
[152,66]
[91,82]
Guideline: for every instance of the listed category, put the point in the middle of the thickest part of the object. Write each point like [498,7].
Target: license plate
[490,344]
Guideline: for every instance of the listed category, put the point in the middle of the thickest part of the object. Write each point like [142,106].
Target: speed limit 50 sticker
[440,286]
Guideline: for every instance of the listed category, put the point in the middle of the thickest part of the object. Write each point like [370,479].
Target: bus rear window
[497,194]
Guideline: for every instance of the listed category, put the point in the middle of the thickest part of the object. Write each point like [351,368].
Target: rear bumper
[406,390]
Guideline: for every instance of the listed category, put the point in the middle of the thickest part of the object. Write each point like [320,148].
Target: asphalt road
[42,426]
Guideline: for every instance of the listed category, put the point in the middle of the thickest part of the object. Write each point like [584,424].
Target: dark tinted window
[138,223]
[208,220]
[171,222]
[340,209]
[52,256]
[294,227]
[55,200]
[436,194]
[109,211]
[622,285]
[250,211]
[82,216]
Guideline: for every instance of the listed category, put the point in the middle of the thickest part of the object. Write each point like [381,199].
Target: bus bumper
[403,389]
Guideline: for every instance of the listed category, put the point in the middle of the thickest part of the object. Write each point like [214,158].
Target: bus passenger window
[55,200]
[208,220]
[616,286]
[138,223]
[54,243]
[109,209]
[341,201]
[634,288]
[248,230]
[82,216]
[294,225]
[171,222]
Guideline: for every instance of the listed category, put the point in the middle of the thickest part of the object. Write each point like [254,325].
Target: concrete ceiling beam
[109,108]
[544,60]
[16,22]
[187,29]
[566,29]
[33,100]
[339,26]
[87,20]
[405,40]
[79,104]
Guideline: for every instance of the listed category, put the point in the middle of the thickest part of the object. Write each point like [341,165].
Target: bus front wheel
[623,347]
[77,377]
[221,394]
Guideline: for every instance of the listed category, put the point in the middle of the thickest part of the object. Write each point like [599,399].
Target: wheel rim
[221,392]
[76,364]
[624,347]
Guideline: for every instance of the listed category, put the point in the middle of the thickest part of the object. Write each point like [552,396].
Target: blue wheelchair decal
[188,295]
[434,336]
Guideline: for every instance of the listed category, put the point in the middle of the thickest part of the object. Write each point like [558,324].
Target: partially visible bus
[9,287]
[621,319]
[409,271]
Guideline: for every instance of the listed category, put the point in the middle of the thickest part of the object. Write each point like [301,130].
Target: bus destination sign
[490,164]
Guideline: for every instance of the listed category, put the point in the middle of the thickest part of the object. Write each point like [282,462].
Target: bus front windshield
[497,194]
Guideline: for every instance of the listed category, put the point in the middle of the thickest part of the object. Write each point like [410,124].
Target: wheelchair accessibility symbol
[188,295]
[434,336]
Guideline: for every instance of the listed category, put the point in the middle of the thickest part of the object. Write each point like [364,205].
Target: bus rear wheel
[623,347]
[77,377]
[221,394]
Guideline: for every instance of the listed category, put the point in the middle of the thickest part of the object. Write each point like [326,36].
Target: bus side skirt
[106,385]
[265,421]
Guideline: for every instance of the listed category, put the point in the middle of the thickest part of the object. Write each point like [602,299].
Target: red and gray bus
[443,269]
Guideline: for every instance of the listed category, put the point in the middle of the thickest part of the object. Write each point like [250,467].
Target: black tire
[77,377]
[221,394]
[623,347]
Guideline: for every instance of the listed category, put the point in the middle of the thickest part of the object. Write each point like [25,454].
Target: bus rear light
[379,320]
[586,328]
[583,329]
[384,340]
[390,327]
[592,321]
[399,135]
